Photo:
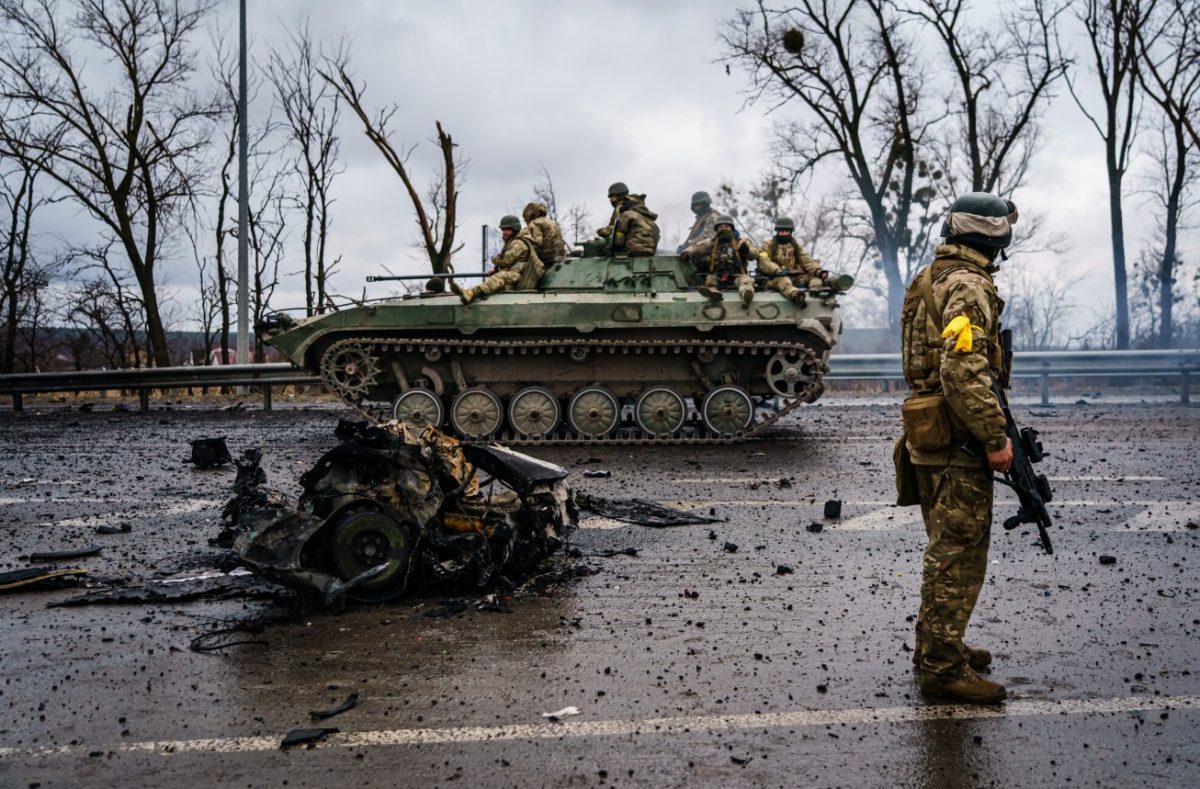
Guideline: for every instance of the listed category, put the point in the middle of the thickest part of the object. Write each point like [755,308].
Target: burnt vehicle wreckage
[392,508]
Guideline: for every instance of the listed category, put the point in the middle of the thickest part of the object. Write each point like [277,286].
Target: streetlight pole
[243,273]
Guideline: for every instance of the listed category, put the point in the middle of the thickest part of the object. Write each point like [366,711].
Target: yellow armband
[962,327]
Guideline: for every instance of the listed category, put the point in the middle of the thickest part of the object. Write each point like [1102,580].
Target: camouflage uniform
[785,260]
[632,227]
[725,264]
[517,268]
[544,232]
[703,229]
[955,488]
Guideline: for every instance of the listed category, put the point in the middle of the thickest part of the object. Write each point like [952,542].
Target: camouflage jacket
[520,255]
[635,231]
[703,228]
[722,259]
[777,258]
[547,238]
[961,280]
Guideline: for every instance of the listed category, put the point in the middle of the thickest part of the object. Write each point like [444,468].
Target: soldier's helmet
[701,197]
[980,219]
[724,219]
[510,222]
[618,189]
[784,223]
[533,211]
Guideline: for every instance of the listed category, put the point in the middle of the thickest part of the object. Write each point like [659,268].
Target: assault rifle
[1033,489]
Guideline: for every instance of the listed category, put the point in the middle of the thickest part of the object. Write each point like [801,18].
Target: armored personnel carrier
[607,350]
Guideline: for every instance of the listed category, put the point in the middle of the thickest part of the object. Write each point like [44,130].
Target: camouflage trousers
[743,282]
[956,504]
[787,286]
[523,276]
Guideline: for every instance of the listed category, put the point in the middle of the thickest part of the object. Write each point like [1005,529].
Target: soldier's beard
[725,236]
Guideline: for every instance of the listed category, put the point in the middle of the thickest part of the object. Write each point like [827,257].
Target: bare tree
[1039,309]
[543,191]
[1002,75]
[130,155]
[107,307]
[437,210]
[579,223]
[853,73]
[1170,75]
[19,200]
[311,109]
[1111,26]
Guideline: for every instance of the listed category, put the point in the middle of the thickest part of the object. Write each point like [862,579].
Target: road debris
[28,578]
[1106,559]
[345,706]
[309,737]
[391,508]
[640,512]
[565,712]
[209,453]
[596,473]
[833,509]
[64,556]
[122,528]
[816,527]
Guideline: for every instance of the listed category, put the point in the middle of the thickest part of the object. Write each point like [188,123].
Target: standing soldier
[784,260]
[949,330]
[632,226]
[704,227]
[723,259]
[544,232]
[517,265]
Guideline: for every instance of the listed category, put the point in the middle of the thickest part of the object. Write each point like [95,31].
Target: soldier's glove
[685,255]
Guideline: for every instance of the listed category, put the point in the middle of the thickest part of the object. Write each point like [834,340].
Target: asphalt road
[690,665]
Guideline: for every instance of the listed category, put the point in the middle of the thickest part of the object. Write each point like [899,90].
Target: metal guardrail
[844,367]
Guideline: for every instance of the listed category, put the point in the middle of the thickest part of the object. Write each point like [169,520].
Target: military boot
[978,658]
[466,296]
[962,685]
[747,295]
[710,293]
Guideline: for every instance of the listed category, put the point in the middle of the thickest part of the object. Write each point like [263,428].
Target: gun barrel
[423,277]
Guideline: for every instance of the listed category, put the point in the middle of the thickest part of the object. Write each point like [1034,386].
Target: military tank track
[353,367]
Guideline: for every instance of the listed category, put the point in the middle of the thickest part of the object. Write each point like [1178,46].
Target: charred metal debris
[391,509]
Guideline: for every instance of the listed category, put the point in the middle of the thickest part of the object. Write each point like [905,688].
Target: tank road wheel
[593,412]
[368,539]
[419,408]
[350,370]
[476,413]
[786,375]
[727,410]
[534,412]
[660,411]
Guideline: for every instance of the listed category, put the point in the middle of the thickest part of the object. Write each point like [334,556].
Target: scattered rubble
[640,512]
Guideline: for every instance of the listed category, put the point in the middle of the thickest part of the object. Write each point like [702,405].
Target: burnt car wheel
[367,539]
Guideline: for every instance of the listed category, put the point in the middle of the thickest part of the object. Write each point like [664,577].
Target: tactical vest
[783,254]
[725,261]
[921,327]
[532,270]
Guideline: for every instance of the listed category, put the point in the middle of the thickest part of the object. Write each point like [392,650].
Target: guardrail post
[1185,388]
[266,397]
[1045,386]
[143,400]
[18,402]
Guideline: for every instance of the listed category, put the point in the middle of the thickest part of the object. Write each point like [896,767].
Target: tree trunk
[10,334]
[1120,278]
[1166,269]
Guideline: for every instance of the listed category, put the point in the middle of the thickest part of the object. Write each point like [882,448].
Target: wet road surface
[782,663]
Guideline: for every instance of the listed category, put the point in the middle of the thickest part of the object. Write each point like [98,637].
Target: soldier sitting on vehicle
[631,228]
[704,227]
[544,232]
[723,260]
[787,263]
[518,266]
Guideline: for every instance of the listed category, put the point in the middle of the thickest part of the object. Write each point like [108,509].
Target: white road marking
[692,724]
[1107,479]
[602,523]
[770,480]
[1164,516]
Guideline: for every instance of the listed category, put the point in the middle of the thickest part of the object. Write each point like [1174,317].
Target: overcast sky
[595,92]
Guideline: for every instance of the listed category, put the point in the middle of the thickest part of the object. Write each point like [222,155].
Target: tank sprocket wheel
[350,370]
[786,374]
[419,408]
[476,413]
[593,412]
[727,410]
[534,412]
[660,411]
